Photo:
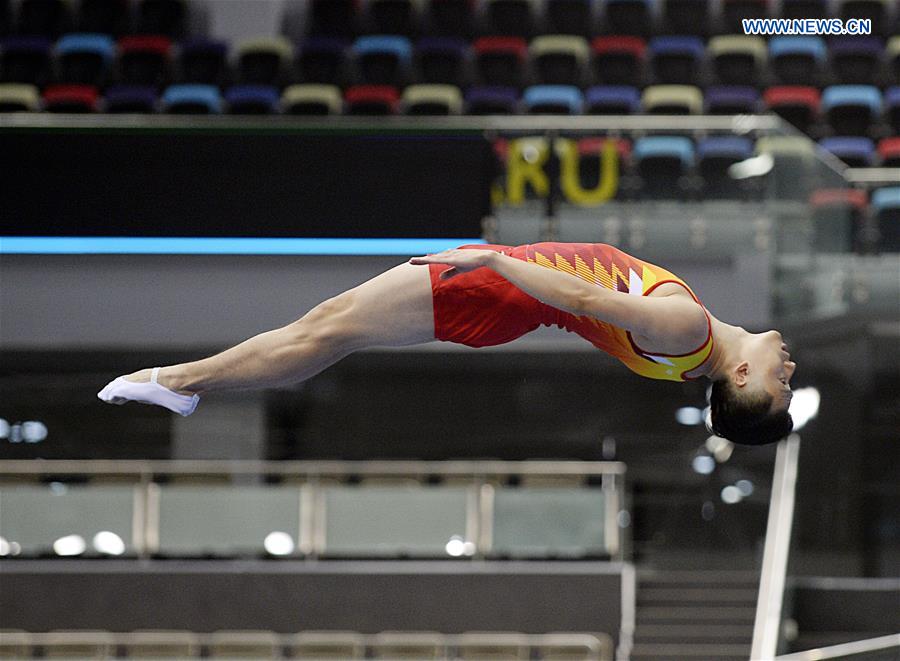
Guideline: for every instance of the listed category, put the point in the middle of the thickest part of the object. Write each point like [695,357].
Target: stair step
[689,651]
[712,633]
[708,596]
[675,614]
[689,576]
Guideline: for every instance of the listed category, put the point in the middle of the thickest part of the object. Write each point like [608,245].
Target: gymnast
[484,295]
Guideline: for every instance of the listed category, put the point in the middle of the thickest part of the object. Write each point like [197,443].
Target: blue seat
[252,99]
[84,59]
[662,161]
[851,109]
[131,99]
[553,99]
[382,59]
[797,60]
[492,100]
[676,59]
[856,152]
[886,199]
[886,208]
[612,100]
[731,146]
[856,59]
[192,99]
[731,100]
[715,155]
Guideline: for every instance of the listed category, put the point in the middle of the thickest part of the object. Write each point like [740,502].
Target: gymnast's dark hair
[745,417]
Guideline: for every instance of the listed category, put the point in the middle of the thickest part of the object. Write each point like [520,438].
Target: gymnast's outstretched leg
[392,309]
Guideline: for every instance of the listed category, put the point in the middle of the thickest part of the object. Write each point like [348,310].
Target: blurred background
[179,175]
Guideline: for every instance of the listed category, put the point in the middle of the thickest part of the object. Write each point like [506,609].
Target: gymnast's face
[769,368]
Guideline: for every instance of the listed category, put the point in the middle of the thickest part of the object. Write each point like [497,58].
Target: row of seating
[54,17]
[171,644]
[580,17]
[494,60]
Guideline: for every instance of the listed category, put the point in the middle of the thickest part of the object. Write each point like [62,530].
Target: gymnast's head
[749,399]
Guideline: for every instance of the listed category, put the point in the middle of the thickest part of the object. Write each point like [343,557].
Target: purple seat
[25,60]
[490,100]
[676,59]
[203,61]
[731,100]
[856,60]
[612,100]
[131,99]
[441,60]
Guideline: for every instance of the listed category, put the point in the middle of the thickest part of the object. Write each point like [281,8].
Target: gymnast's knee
[331,325]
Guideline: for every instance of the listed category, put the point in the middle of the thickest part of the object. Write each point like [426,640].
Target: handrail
[98,467]
[778,538]
[845,649]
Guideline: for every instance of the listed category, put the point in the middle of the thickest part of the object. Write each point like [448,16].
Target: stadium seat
[441,60]
[573,646]
[885,204]
[203,61]
[104,17]
[78,643]
[84,59]
[676,59]
[892,108]
[851,109]
[797,60]
[312,99]
[483,645]
[804,9]
[25,60]
[71,98]
[612,100]
[500,61]
[685,17]
[590,151]
[796,104]
[192,100]
[737,59]
[432,100]
[162,644]
[327,645]
[548,522]
[855,152]
[553,100]
[336,18]
[892,56]
[794,158]
[672,100]
[19,97]
[164,17]
[618,60]
[371,100]
[408,645]
[489,100]
[878,11]
[838,216]
[559,59]
[252,100]
[6,22]
[632,17]
[509,18]
[451,18]
[382,60]
[398,17]
[244,645]
[731,100]
[264,60]
[322,60]
[144,60]
[889,152]
[661,161]
[568,17]
[856,60]
[734,11]
[131,99]
[48,18]
[715,155]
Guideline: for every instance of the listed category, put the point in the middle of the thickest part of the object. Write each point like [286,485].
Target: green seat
[393,520]
[228,520]
[549,521]
[36,517]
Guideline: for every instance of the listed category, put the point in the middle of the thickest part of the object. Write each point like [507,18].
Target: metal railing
[845,650]
[767,626]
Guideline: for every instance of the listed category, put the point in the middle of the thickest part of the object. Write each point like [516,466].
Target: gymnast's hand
[460,260]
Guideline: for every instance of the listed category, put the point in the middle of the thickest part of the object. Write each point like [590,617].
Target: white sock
[149,392]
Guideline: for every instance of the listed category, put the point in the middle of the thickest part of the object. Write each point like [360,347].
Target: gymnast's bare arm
[667,317]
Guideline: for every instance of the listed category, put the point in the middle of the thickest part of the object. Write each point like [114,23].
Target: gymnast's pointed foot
[144,386]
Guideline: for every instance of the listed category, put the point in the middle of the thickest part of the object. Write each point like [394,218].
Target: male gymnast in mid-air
[484,295]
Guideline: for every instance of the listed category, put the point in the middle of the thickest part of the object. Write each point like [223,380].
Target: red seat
[797,104]
[372,100]
[617,59]
[889,152]
[500,60]
[71,98]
